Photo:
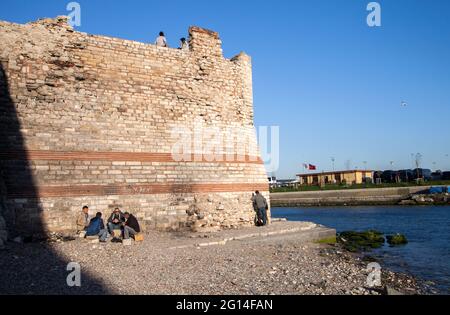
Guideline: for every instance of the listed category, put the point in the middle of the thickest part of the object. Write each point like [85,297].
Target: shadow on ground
[29,268]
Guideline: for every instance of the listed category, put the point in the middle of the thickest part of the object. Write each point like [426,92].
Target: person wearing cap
[130,226]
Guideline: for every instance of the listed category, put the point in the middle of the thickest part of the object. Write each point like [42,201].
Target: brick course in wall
[89,120]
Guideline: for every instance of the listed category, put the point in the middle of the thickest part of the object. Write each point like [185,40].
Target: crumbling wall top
[205,42]
[196,29]
[58,22]
[202,41]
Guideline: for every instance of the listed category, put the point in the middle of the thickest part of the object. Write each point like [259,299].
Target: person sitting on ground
[83,219]
[262,205]
[97,228]
[184,44]
[115,220]
[161,40]
[131,226]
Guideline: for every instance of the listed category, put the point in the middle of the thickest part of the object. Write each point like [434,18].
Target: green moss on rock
[396,239]
[361,241]
[330,240]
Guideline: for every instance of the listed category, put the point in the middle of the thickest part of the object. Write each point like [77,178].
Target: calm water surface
[426,256]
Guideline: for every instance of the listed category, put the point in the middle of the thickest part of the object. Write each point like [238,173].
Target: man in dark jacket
[131,226]
[97,227]
[258,219]
[261,204]
[115,220]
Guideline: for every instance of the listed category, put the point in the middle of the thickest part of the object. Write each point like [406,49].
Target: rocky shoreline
[393,283]
[279,264]
[426,199]
[360,197]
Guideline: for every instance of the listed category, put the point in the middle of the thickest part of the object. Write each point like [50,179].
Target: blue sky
[333,85]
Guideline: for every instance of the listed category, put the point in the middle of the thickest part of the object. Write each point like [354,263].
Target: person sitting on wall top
[130,226]
[161,40]
[97,228]
[262,205]
[115,220]
[184,44]
[83,219]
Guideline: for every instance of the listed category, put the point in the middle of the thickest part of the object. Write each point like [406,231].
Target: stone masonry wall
[90,120]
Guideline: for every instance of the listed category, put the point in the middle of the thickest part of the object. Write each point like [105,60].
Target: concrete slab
[303,231]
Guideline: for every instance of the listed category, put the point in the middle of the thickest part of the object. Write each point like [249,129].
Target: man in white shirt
[161,40]
[184,44]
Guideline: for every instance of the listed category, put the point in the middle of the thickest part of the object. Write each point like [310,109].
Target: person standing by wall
[261,204]
[258,219]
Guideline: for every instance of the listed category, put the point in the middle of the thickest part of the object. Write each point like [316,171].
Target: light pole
[332,161]
[417,162]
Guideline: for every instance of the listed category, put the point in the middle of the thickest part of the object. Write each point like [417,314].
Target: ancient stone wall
[96,120]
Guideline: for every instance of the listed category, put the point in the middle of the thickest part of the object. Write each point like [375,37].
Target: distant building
[274,182]
[437,175]
[286,182]
[351,177]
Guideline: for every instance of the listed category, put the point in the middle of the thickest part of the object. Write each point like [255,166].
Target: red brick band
[120,190]
[118,156]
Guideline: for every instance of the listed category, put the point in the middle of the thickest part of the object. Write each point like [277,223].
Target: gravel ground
[271,265]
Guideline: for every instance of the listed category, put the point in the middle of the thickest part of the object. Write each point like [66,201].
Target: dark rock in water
[397,239]
[361,241]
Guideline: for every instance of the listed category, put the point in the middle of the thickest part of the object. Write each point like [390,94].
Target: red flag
[312,167]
